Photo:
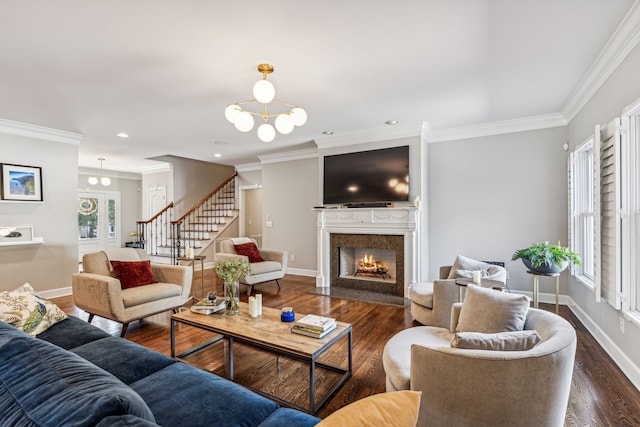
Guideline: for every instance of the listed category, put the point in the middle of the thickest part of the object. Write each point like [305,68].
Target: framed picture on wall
[21,183]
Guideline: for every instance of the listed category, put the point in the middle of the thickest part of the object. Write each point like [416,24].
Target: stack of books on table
[313,325]
[206,306]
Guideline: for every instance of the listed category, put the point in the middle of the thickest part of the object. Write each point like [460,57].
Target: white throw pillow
[464,264]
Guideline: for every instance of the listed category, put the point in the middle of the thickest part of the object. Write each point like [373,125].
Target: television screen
[367,176]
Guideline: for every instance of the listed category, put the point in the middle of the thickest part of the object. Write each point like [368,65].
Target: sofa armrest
[97,294]
[444,272]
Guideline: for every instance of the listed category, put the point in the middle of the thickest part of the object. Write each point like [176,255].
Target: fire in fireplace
[368,262]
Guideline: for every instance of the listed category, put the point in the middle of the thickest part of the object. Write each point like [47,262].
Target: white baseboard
[302,272]
[625,364]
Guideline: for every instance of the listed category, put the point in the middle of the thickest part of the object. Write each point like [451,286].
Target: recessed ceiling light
[123,135]
[217,155]
[391,122]
[327,132]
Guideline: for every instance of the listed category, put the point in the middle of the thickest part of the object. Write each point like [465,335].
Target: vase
[232,295]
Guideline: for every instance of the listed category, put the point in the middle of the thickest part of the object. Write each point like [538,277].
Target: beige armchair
[464,387]
[431,301]
[97,290]
[273,267]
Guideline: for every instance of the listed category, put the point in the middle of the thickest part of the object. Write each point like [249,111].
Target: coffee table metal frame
[320,347]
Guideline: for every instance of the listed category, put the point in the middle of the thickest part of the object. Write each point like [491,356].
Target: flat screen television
[373,176]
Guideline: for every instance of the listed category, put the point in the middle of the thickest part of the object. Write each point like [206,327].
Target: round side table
[536,286]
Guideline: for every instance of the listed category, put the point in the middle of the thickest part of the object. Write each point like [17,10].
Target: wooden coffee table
[269,333]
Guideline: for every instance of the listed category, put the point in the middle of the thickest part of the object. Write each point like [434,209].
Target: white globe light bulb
[231,112]
[105,181]
[263,91]
[243,122]
[284,124]
[93,180]
[266,132]
[299,116]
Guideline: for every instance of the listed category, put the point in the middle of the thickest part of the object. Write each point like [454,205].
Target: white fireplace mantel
[392,221]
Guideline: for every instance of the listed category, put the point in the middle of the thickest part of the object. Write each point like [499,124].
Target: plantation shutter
[610,211]
[571,208]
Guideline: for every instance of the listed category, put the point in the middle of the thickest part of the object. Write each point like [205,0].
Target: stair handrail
[166,208]
[205,198]
[177,225]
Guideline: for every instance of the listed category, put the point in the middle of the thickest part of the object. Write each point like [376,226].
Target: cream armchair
[273,267]
[98,291]
[431,301]
[466,387]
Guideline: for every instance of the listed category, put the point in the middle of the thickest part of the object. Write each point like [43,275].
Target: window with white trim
[581,188]
[631,213]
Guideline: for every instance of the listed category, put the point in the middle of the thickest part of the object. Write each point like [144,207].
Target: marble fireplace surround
[397,221]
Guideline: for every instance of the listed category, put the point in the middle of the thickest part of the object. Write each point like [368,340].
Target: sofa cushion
[488,311]
[502,341]
[396,408]
[72,332]
[148,293]
[26,310]
[42,384]
[250,250]
[205,399]
[289,417]
[133,273]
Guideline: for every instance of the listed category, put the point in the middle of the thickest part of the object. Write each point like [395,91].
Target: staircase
[166,240]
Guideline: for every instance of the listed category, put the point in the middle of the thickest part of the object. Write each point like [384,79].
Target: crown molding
[523,124]
[161,167]
[248,167]
[622,42]
[39,132]
[109,173]
[309,153]
[380,134]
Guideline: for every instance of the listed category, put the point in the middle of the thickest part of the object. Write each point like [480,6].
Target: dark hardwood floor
[600,395]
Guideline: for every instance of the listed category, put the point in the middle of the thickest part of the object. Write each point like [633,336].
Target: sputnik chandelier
[264,93]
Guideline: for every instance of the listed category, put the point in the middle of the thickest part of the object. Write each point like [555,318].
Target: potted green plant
[547,258]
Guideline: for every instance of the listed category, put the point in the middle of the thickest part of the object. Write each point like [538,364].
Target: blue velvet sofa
[75,374]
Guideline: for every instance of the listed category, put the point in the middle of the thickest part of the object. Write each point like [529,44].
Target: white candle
[259,303]
[476,277]
[253,307]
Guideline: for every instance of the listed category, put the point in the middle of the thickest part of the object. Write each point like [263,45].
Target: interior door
[98,221]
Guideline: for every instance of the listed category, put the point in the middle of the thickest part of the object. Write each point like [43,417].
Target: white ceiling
[163,71]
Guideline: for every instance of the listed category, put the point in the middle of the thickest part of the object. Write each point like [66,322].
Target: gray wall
[490,196]
[289,192]
[48,266]
[620,90]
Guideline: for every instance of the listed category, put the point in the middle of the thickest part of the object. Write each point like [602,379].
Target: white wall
[621,89]
[50,265]
[493,195]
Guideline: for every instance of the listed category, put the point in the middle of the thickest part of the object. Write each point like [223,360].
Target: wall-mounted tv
[373,176]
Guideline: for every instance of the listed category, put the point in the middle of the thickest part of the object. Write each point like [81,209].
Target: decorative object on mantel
[264,93]
[231,271]
[104,180]
[546,258]
[21,183]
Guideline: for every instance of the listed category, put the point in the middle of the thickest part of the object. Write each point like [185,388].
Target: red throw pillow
[249,250]
[133,273]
